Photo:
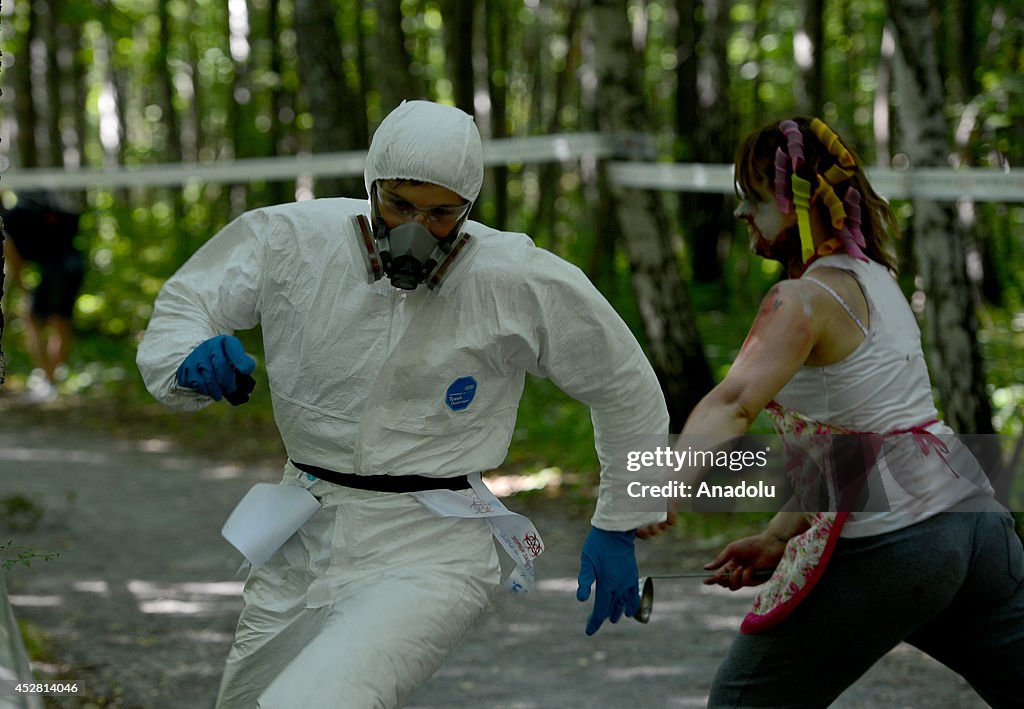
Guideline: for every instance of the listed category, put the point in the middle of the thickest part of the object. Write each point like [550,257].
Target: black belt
[385,483]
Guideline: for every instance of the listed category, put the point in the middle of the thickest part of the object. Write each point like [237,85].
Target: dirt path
[141,605]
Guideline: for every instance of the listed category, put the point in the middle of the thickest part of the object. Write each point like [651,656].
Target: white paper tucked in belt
[266,518]
[514,532]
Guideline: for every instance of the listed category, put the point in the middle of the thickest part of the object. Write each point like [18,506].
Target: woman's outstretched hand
[741,561]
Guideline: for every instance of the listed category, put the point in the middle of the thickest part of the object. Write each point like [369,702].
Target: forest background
[910,83]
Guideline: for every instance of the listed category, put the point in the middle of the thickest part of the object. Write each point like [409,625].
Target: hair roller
[794,142]
[832,143]
[851,235]
[832,202]
[782,181]
[802,202]
[836,175]
[852,199]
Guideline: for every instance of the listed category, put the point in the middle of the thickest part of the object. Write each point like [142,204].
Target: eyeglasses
[406,210]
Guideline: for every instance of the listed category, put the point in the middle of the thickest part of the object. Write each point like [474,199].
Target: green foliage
[552,430]
[11,556]
[20,513]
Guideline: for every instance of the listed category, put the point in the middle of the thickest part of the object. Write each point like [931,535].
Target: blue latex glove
[609,558]
[211,367]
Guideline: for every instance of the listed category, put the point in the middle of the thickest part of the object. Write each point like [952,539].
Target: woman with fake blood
[931,558]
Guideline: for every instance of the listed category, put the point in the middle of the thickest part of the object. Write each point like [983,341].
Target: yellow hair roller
[835,206]
[802,202]
[836,174]
[831,141]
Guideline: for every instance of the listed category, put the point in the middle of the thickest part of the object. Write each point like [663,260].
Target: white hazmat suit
[365,601]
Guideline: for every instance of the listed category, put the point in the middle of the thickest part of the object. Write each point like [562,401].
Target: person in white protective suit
[397,335]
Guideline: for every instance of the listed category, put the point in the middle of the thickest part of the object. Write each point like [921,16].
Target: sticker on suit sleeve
[460,393]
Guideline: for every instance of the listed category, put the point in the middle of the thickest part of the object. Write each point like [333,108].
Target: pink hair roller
[782,181]
[851,235]
[794,142]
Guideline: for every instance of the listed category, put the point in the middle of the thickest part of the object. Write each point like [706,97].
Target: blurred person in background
[40,233]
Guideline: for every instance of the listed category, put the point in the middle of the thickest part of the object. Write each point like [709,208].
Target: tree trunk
[336,126]
[951,324]
[607,234]
[80,87]
[279,191]
[688,33]
[704,127]
[669,322]
[165,73]
[809,53]
[548,173]
[497,87]
[458,49]
[880,114]
[117,84]
[395,81]
[968,10]
[53,79]
[24,105]
[197,140]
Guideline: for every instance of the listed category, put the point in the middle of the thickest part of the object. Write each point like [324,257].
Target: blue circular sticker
[460,393]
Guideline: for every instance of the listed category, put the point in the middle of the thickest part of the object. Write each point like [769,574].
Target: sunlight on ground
[525,628]
[182,598]
[721,622]
[644,671]
[36,601]
[99,587]
[194,598]
[39,455]
[170,606]
[155,445]
[505,485]
[209,636]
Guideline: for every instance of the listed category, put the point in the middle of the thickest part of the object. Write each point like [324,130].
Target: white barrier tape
[673,177]
[947,184]
[944,184]
[941,184]
[545,148]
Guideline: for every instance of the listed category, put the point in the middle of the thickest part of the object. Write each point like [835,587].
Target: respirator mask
[409,254]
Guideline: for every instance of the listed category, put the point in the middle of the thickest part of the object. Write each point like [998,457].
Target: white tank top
[883,387]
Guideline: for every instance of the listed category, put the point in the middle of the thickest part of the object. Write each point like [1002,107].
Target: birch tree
[674,344]
[951,324]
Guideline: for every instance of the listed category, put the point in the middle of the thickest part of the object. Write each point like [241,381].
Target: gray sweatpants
[952,585]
